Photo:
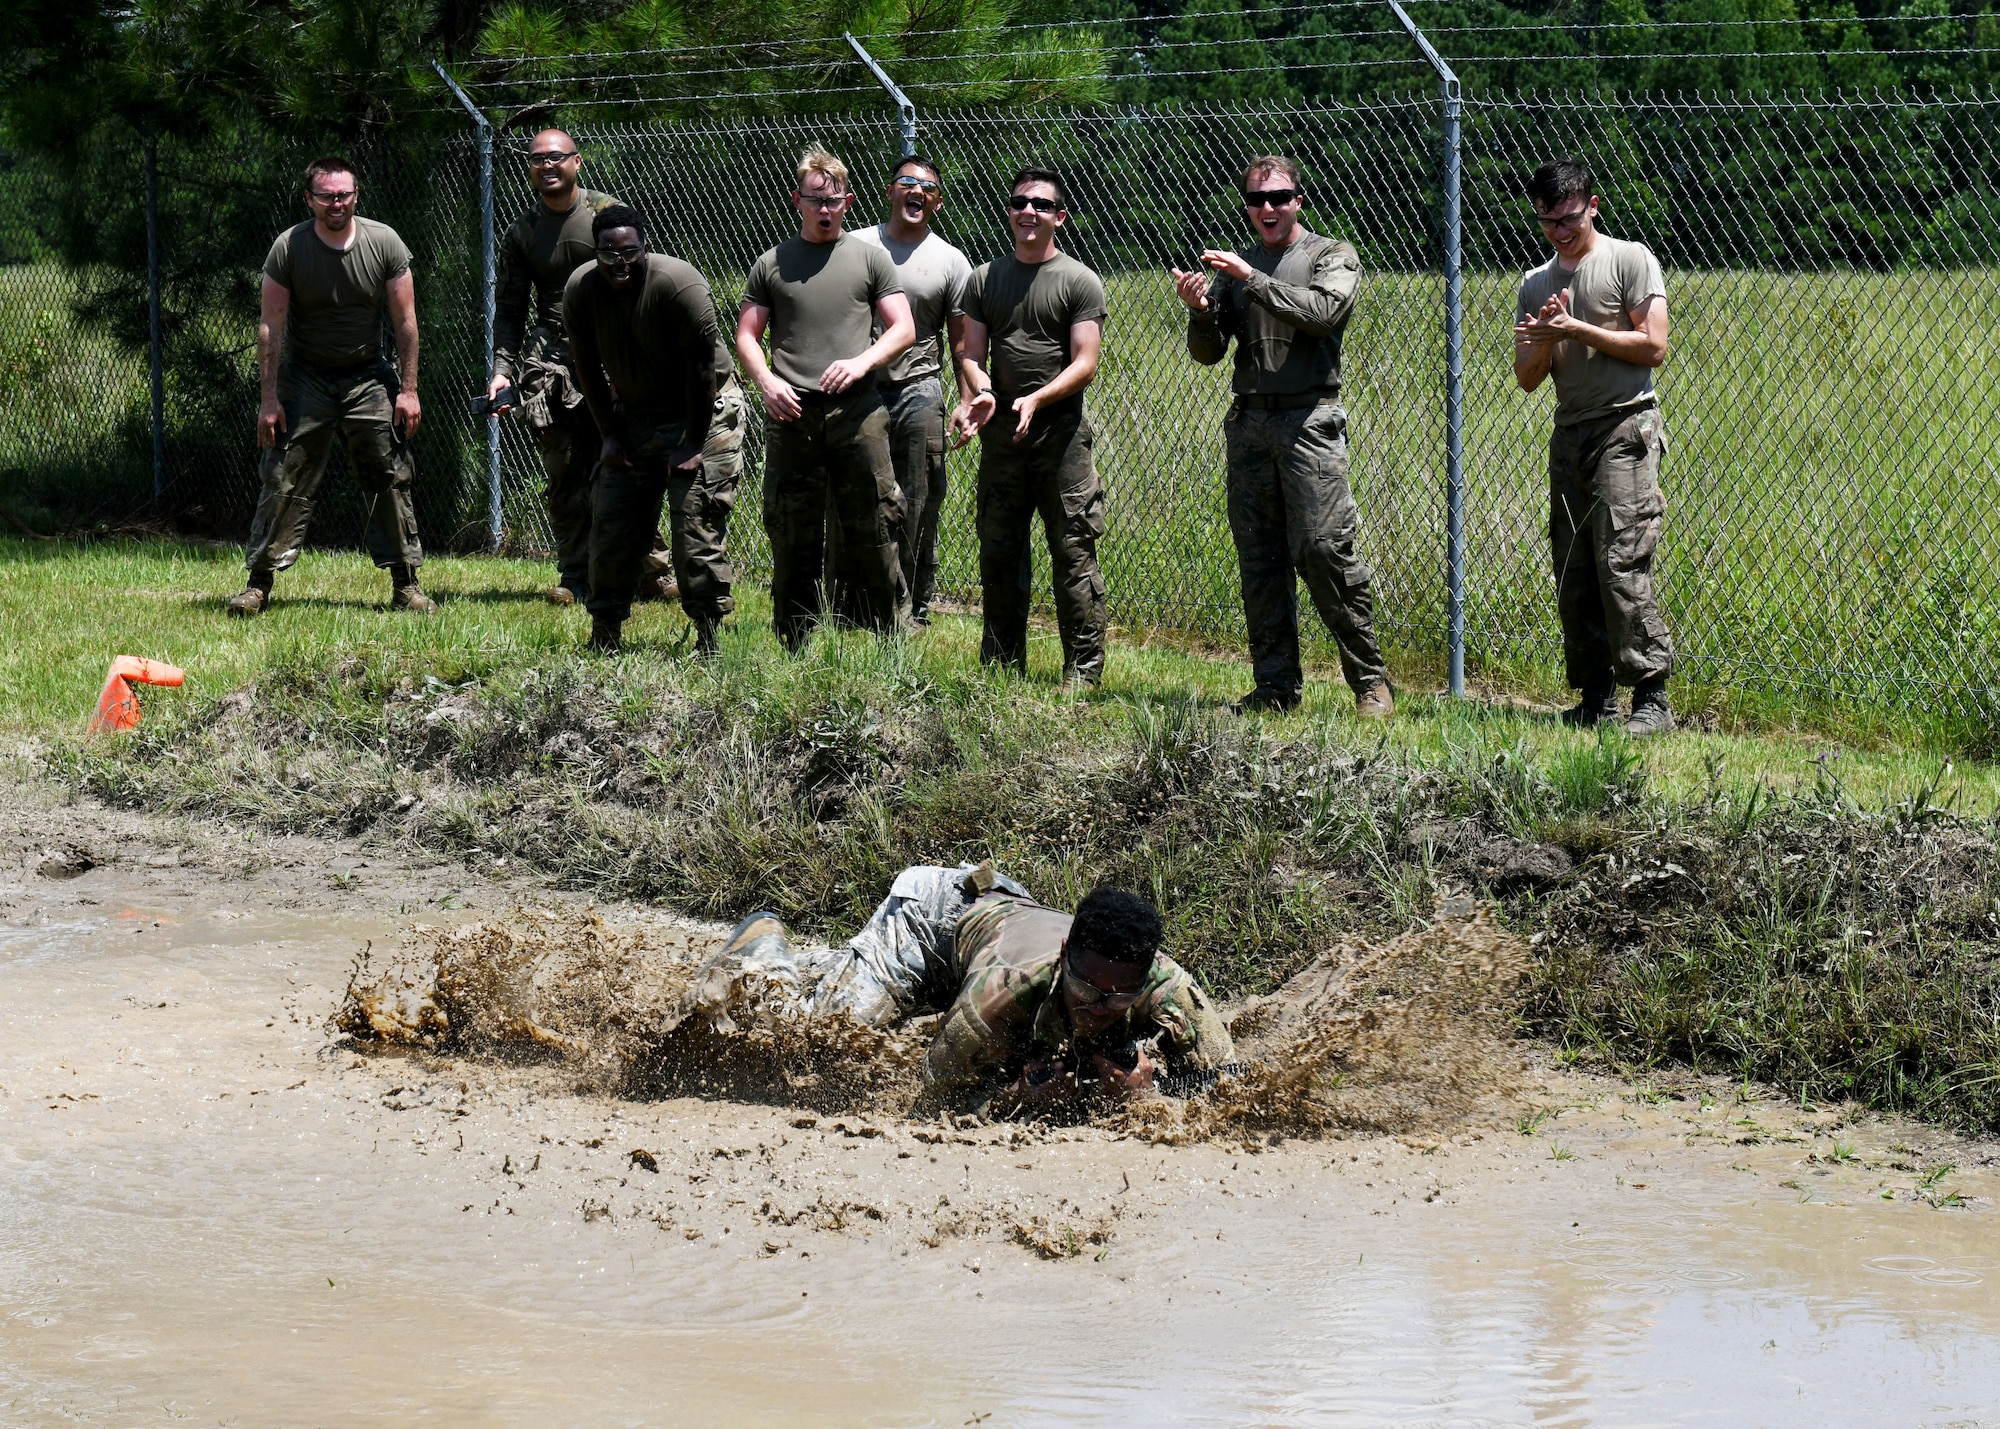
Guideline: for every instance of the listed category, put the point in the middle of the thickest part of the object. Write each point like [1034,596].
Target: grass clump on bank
[1800,914]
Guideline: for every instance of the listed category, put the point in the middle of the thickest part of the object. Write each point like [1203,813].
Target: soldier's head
[553,162]
[1565,199]
[1272,198]
[1037,205]
[620,236]
[331,192]
[916,192]
[1107,957]
[821,195]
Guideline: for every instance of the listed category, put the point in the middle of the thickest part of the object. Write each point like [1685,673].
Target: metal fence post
[1454,362]
[153,337]
[907,110]
[494,528]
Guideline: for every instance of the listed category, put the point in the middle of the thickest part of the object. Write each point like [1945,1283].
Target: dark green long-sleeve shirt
[538,253]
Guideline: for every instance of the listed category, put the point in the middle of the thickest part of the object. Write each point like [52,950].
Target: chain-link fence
[1832,267]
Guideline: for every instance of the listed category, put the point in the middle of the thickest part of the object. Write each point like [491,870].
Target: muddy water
[208,1214]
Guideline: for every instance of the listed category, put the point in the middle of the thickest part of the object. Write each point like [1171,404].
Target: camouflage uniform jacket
[1009,1010]
[1287,319]
[538,252]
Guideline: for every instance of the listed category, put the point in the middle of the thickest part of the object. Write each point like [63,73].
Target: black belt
[859,389]
[1284,401]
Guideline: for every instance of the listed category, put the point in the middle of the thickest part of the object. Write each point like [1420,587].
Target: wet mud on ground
[212,1211]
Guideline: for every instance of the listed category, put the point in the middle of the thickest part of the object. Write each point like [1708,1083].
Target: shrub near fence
[1833,267]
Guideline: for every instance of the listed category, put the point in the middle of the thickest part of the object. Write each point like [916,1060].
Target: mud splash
[1402,1037]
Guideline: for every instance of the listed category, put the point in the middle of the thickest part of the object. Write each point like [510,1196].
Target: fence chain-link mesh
[1831,265]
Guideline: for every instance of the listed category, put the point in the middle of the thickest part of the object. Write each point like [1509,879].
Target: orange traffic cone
[118,706]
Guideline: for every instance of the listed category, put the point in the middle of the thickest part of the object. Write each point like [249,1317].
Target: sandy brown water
[210,1213]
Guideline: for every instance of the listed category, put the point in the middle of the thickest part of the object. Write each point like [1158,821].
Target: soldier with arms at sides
[1285,300]
[643,324]
[821,295]
[1594,317]
[327,282]
[1034,319]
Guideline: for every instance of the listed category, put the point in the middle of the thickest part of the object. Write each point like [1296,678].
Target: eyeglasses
[332,199]
[1563,220]
[911,181]
[549,159]
[1089,994]
[613,257]
[822,202]
[1021,203]
[1276,198]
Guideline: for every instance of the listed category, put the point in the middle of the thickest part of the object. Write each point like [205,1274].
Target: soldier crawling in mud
[1041,1008]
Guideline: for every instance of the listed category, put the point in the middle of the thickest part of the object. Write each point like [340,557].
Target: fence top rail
[1829,99]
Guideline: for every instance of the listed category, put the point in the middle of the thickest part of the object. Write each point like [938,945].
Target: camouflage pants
[567,437]
[898,965]
[1292,514]
[835,451]
[358,407]
[1050,472]
[625,512]
[1605,514]
[695,552]
[916,450]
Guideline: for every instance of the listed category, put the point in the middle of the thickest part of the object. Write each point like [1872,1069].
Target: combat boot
[253,597]
[1651,714]
[705,644]
[1599,705]
[1377,702]
[409,595]
[605,638]
[663,588]
[559,595]
[1266,698]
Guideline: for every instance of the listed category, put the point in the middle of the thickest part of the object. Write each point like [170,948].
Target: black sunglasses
[1276,198]
[1021,203]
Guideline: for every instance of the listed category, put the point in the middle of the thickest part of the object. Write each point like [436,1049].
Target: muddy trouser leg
[1004,505]
[1624,463]
[289,473]
[380,459]
[900,962]
[1071,500]
[862,479]
[1322,524]
[1572,518]
[916,445]
[698,510]
[569,446]
[1256,503]
[795,520]
[625,514]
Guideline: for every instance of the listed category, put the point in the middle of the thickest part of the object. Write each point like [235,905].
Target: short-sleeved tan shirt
[1027,310]
[335,316]
[822,299]
[1615,277]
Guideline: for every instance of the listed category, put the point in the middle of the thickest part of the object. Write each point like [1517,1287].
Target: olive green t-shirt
[1615,277]
[1028,310]
[822,299]
[335,317]
[650,343]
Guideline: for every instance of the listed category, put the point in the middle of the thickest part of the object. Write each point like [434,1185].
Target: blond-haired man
[820,295]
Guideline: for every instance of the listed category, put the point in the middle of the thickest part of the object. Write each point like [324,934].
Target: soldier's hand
[972,415]
[1117,1079]
[685,459]
[1024,414]
[841,375]
[612,453]
[409,412]
[1223,261]
[493,390]
[1191,288]
[270,422]
[781,403]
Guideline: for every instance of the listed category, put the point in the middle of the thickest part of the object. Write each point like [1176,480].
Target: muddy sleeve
[1208,335]
[1323,303]
[968,1047]
[514,290]
[1192,1033]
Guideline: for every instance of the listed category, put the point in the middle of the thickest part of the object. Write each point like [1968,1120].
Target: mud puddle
[208,1214]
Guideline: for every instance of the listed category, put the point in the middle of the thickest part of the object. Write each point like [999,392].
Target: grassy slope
[1718,900]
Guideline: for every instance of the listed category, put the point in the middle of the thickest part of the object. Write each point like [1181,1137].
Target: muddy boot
[559,595]
[1267,699]
[605,638]
[408,596]
[1376,702]
[662,588]
[1650,712]
[705,645]
[1599,705]
[253,598]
